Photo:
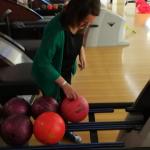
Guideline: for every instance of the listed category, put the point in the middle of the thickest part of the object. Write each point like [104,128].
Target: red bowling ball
[49,128]
[75,110]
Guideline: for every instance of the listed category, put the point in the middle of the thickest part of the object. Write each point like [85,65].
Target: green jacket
[47,63]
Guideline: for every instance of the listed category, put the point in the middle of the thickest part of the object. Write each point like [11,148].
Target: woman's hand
[82,59]
[69,91]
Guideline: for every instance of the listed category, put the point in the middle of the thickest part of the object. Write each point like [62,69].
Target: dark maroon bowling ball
[16,105]
[16,130]
[43,104]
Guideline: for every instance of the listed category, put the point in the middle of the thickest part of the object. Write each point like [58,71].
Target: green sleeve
[43,62]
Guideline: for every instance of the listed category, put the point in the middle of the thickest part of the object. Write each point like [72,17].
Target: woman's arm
[82,58]
[69,91]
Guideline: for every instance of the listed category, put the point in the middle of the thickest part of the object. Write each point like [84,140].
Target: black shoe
[73,138]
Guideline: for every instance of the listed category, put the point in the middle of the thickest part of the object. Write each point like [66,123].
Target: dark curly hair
[77,10]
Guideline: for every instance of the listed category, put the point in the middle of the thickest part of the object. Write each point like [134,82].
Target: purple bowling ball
[16,130]
[16,105]
[43,104]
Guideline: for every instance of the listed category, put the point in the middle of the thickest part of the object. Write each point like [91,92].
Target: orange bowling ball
[75,110]
[49,128]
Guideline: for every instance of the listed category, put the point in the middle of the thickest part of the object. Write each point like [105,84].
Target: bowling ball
[49,128]
[16,129]
[16,105]
[43,104]
[75,110]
